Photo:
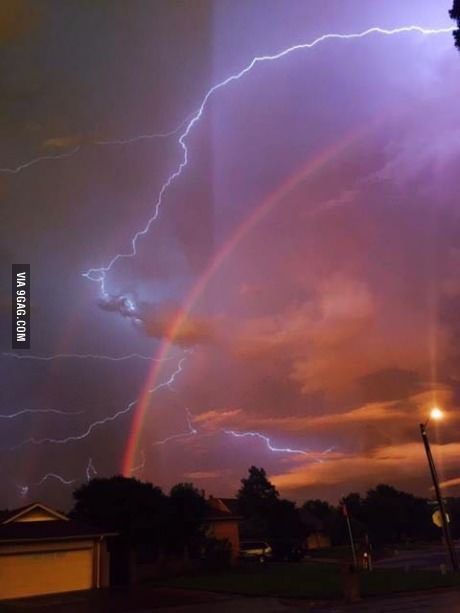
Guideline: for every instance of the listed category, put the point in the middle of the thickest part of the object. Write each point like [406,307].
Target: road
[444,601]
[430,559]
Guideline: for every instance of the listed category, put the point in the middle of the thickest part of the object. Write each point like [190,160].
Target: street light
[436,414]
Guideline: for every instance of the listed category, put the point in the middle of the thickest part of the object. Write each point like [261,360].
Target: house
[42,551]
[219,523]
[222,523]
[318,540]
[317,537]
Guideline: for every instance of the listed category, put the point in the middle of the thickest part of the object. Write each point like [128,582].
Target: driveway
[138,599]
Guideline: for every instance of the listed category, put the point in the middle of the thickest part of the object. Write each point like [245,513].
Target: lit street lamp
[436,414]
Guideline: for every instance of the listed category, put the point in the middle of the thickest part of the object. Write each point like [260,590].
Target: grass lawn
[305,580]
[295,580]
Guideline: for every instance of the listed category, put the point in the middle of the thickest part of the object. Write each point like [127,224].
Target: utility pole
[445,522]
[350,534]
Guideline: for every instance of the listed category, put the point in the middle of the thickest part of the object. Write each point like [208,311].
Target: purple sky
[331,326]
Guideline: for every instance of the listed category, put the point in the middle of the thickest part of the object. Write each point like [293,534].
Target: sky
[292,303]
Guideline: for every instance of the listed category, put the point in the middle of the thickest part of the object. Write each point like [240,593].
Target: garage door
[45,572]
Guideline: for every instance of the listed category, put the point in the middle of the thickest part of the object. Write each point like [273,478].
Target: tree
[266,515]
[388,516]
[320,509]
[256,499]
[455,11]
[455,14]
[284,520]
[394,516]
[187,511]
[256,494]
[285,530]
[355,506]
[137,511]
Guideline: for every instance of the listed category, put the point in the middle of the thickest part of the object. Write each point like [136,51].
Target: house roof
[16,514]
[232,505]
[15,527]
[4,514]
[218,510]
[48,530]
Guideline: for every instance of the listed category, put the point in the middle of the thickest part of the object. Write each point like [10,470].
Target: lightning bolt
[141,465]
[25,489]
[141,137]
[42,158]
[100,422]
[57,477]
[75,150]
[274,449]
[190,432]
[267,442]
[98,275]
[193,431]
[85,356]
[34,411]
[91,472]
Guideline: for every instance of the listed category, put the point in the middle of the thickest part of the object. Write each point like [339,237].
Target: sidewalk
[147,599]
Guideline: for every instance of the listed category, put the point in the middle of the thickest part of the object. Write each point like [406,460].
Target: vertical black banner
[20,314]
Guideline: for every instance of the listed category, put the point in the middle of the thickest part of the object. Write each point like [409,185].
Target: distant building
[318,540]
[42,551]
[219,523]
[222,522]
[317,537]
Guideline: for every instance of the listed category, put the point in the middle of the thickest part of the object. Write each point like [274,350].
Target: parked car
[255,550]
[287,550]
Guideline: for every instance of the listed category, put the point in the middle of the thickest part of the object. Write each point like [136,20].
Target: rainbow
[312,166]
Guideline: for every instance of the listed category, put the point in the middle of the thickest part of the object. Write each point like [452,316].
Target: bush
[217,554]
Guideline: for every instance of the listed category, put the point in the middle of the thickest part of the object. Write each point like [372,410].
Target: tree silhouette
[320,509]
[148,523]
[137,511]
[389,515]
[394,516]
[256,499]
[256,495]
[268,516]
[455,14]
[187,511]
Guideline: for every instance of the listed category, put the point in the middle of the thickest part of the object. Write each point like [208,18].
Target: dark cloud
[389,384]
[124,305]
[162,321]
